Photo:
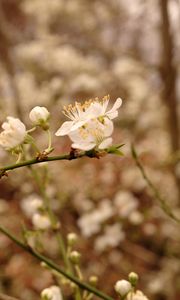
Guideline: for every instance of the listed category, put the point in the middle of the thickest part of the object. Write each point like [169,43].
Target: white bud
[41,221]
[52,293]
[75,257]
[122,287]
[138,295]
[39,115]
[72,238]
[14,133]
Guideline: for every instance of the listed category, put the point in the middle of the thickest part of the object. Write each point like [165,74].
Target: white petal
[108,127]
[106,143]
[77,136]
[116,105]
[105,105]
[65,128]
[112,115]
[84,146]
[95,110]
[78,124]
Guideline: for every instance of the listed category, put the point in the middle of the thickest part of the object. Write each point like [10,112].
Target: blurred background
[53,52]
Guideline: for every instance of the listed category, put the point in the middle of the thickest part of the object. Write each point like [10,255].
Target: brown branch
[169,77]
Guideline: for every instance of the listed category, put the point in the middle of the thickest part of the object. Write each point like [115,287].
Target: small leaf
[115,150]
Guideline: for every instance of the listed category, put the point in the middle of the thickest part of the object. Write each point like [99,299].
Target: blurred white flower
[41,221]
[125,203]
[31,204]
[93,134]
[138,295]
[14,133]
[112,237]
[52,293]
[39,115]
[82,113]
[90,223]
[136,217]
[122,287]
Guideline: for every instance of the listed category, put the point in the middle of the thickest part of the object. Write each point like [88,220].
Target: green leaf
[115,150]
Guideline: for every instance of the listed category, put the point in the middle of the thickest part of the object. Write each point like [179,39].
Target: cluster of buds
[14,133]
[52,293]
[126,288]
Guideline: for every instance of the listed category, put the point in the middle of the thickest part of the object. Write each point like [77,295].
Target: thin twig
[54,266]
[70,156]
[163,203]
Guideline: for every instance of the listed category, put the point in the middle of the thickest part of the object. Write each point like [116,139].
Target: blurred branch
[54,266]
[169,77]
[6,297]
[6,41]
[163,203]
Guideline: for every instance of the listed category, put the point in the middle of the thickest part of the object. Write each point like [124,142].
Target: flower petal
[106,143]
[84,146]
[112,113]
[94,110]
[65,128]
[108,127]
[78,124]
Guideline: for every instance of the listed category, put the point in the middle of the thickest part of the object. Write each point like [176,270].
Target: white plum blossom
[78,116]
[14,133]
[123,287]
[39,115]
[81,113]
[41,221]
[93,134]
[98,108]
[51,293]
[138,295]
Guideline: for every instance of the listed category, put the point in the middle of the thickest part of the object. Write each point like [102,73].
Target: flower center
[74,112]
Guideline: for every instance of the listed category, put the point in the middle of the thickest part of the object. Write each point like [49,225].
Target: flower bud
[39,116]
[133,278]
[14,133]
[72,239]
[122,287]
[93,280]
[75,257]
[51,293]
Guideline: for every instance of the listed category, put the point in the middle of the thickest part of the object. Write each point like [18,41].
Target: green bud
[133,278]
[75,257]
[72,239]
[93,280]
